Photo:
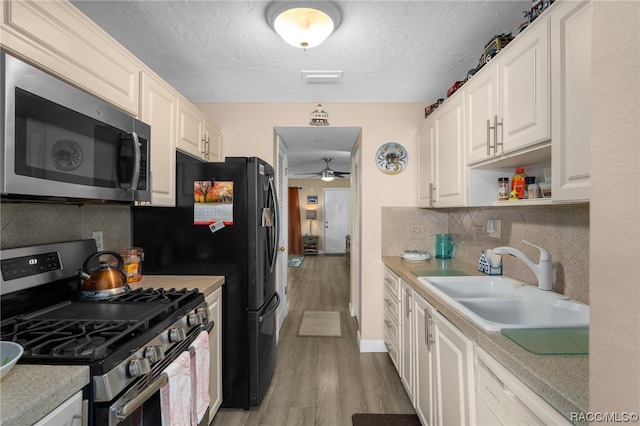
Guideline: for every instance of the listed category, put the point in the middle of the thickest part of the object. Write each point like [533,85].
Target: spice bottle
[517,182]
[528,181]
[503,188]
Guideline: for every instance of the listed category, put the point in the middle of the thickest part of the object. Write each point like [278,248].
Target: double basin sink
[495,302]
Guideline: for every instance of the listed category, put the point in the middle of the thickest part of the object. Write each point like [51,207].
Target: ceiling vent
[321,77]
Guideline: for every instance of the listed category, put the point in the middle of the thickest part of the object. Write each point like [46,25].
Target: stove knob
[154,354]
[139,367]
[195,319]
[204,312]
[177,335]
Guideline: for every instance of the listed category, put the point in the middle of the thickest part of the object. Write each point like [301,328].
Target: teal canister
[444,246]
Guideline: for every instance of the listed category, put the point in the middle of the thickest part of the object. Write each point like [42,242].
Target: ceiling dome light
[303,24]
[327,175]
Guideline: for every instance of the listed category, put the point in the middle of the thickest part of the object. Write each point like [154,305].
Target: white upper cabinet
[55,36]
[159,108]
[571,100]
[523,78]
[190,129]
[508,101]
[212,142]
[449,168]
[481,96]
[196,135]
[442,169]
[425,159]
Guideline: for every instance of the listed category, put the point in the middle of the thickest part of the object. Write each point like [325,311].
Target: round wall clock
[392,158]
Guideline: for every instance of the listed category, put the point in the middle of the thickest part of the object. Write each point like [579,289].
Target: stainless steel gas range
[127,341]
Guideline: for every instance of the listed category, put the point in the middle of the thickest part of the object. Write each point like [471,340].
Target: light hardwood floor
[322,380]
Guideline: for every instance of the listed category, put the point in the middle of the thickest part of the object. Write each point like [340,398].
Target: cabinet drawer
[392,346]
[391,326]
[392,282]
[510,400]
[391,305]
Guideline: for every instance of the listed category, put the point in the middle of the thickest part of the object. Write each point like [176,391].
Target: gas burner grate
[65,339]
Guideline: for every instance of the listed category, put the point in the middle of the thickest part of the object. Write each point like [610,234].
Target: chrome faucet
[543,270]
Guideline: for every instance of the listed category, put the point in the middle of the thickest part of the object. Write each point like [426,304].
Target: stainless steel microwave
[63,143]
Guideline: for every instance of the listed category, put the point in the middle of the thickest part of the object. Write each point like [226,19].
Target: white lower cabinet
[502,399]
[392,317]
[444,382]
[407,352]
[214,302]
[69,413]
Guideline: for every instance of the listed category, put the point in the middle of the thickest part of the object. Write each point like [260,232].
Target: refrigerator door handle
[263,315]
[276,214]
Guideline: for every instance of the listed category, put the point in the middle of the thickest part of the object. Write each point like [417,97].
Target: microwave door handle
[137,160]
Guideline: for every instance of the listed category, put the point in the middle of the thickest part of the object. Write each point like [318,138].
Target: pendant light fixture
[303,24]
[319,117]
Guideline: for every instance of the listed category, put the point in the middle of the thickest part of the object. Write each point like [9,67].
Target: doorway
[337,219]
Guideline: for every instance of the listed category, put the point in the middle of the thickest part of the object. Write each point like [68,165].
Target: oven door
[139,404]
[62,142]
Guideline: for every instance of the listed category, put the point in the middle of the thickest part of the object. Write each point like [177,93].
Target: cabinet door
[159,109]
[571,100]
[454,383]
[406,339]
[190,129]
[523,75]
[481,111]
[424,359]
[449,166]
[69,413]
[425,159]
[212,142]
[214,301]
[57,37]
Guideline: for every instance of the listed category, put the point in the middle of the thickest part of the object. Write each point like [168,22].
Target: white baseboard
[351,311]
[372,345]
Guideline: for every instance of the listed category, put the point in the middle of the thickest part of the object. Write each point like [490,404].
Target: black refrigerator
[225,223]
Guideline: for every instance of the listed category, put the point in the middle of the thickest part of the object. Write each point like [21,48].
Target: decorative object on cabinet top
[392,158]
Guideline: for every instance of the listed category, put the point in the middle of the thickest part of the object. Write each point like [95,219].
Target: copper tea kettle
[104,280]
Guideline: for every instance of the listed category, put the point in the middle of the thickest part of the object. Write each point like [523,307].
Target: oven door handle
[127,409]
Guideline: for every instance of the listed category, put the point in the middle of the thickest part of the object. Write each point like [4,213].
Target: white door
[337,219]
[355,241]
[283,223]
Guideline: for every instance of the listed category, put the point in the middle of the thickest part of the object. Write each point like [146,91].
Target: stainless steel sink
[495,303]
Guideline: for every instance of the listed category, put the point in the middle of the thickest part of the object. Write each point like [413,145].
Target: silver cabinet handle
[430,334]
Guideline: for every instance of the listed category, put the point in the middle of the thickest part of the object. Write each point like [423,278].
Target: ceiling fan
[328,174]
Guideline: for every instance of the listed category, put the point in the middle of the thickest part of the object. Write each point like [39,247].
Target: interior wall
[26,224]
[561,229]
[614,339]
[315,187]
[248,130]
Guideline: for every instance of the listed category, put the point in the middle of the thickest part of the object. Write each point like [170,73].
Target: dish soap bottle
[518,182]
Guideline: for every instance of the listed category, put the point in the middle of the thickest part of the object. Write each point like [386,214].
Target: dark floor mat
[385,420]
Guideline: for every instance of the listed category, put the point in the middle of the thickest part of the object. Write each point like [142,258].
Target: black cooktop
[85,331]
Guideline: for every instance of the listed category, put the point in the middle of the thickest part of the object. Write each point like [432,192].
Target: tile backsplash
[41,223]
[563,230]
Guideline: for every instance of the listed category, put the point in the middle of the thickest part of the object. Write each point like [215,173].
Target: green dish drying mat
[551,341]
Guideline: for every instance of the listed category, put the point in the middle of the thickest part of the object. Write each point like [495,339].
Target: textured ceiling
[389,51]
